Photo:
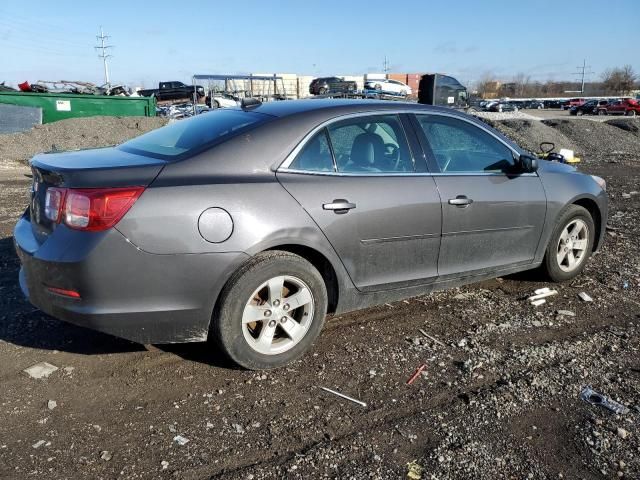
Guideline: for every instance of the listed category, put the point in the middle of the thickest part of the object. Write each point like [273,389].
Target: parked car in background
[551,103]
[625,106]
[534,104]
[247,226]
[502,106]
[221,100]
[576,102]
[173,91]
[328,85]
[589,107]
[388,86]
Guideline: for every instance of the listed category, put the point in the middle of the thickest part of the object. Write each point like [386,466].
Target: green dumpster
[58,106]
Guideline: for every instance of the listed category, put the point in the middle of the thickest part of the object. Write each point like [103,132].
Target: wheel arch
[322,264]
[594,210]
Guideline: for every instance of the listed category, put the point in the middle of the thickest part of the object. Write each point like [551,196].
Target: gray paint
[157,276]
[215,225]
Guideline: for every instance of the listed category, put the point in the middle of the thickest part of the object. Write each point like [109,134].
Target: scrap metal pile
[76,87]
[181,110]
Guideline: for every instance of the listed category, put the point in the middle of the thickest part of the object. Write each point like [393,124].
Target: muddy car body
[249,234]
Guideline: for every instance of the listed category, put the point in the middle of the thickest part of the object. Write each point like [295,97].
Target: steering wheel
[392,152]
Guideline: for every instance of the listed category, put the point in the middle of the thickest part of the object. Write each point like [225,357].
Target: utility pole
[385,65]
[103,48]
[582,71]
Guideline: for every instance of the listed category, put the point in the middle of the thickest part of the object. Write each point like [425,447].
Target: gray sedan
[247,226]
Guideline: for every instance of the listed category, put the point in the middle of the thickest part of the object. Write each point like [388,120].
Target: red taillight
[92,209]
[64,292]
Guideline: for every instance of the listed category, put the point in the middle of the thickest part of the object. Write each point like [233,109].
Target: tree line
[615,81]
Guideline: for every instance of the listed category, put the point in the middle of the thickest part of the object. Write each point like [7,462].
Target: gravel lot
[75,133]
[499,397]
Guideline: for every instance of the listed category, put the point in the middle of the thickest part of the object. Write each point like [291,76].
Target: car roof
[333,106]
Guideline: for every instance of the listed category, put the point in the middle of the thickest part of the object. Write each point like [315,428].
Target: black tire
[579,113]
[550,265]
[216,104]
[631,113]
[226,325]
[322,91]
[602,112]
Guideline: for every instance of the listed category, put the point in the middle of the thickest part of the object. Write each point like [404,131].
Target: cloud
[446,48]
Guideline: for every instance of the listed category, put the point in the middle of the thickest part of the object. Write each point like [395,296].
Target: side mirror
[528,163]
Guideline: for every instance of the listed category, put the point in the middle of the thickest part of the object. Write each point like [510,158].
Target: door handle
[460,201]
[339,206]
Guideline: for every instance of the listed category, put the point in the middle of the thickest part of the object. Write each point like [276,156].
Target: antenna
[385,65]
[101,38]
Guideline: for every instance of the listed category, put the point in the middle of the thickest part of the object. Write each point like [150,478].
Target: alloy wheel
[278,315]
[572,245]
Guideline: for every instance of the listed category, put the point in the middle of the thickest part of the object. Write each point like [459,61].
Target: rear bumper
[124,291]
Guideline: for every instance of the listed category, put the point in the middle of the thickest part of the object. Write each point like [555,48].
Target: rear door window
[315,155]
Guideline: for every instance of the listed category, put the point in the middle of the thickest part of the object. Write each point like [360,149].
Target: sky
[162,40]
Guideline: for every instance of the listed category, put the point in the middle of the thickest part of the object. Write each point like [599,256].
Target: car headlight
[600,181]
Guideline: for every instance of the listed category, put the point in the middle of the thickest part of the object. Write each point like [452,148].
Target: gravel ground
[75,133]
[499,398]
[586,137]
[530,134]
[496,116]
[598,139]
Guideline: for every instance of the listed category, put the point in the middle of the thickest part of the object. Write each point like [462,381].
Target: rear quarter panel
[239,177]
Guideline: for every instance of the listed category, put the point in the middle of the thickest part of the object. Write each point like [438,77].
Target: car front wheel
[570,245]
[271,311]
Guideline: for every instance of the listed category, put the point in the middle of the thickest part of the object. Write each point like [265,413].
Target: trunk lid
[95,168]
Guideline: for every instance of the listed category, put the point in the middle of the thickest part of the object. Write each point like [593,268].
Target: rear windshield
[194,135]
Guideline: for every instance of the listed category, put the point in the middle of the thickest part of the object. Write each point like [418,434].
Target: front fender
[565,186]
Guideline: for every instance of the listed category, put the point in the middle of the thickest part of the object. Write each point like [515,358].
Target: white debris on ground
[180,440]
[505,115]
[40,370]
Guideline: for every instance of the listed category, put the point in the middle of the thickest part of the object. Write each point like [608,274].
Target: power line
[104,55]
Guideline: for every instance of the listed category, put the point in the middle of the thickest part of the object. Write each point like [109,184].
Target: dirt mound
[75,133]
[597,139]
[530,133]
[626,124]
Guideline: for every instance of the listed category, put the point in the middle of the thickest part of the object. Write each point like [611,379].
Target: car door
[358,179]
[616,107]
[492,215]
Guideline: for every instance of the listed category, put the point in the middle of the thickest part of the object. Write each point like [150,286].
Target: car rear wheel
[570,245]
[602,112]
[579,112]
[631,113]
[271,311]
[322,91]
